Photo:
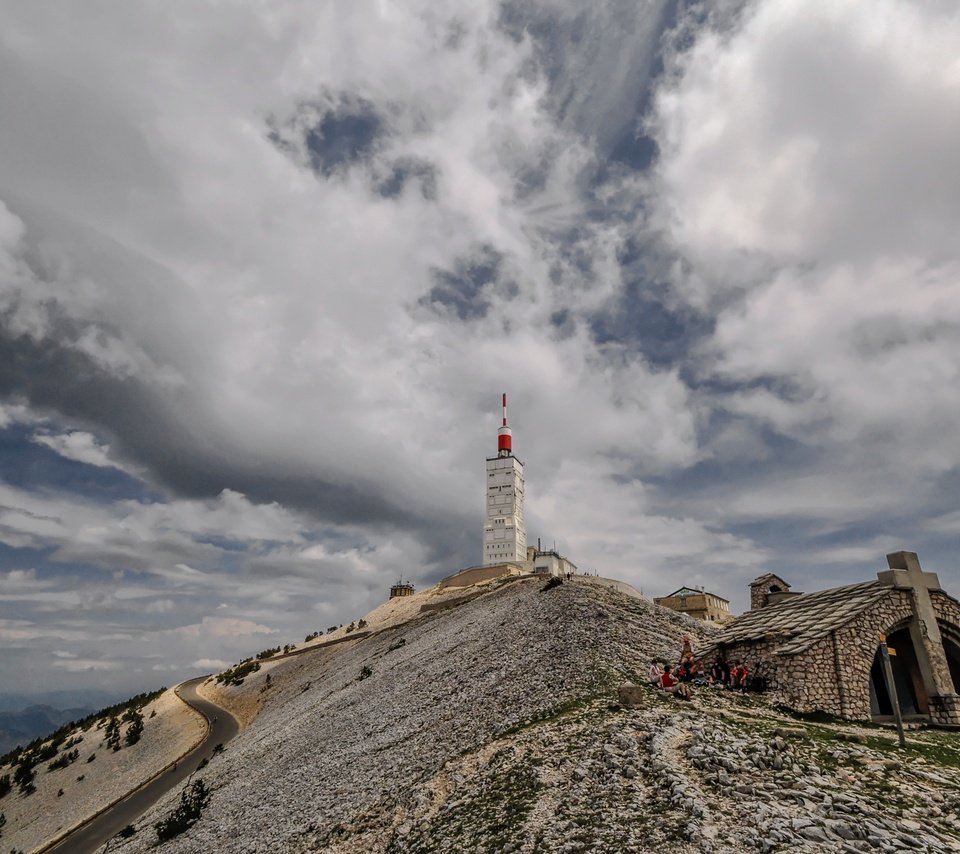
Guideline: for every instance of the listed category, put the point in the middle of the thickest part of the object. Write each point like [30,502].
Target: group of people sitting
[690,670]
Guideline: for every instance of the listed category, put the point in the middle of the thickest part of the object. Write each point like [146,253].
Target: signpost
[885,653]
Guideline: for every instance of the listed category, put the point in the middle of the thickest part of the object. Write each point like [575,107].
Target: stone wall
[833,674]
[478,574]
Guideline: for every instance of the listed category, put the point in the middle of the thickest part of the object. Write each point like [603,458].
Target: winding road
[221,727]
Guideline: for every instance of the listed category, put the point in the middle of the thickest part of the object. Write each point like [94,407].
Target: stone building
[769,589]
[699,604]
[820,651]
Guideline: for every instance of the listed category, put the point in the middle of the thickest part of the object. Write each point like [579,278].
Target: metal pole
[891,688]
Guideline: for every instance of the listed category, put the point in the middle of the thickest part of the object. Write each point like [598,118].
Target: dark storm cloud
[155,432]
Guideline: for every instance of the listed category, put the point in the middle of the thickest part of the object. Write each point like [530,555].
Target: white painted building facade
[552,563]
[504,535]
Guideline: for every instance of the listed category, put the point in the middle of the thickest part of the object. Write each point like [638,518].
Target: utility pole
[885,653]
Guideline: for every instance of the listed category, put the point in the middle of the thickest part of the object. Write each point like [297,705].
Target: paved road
[91,836]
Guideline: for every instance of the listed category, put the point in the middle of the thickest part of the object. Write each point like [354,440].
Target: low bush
[135,729]
[64,759]
[23,774]
[236,675]
[112,732]
[193,801]
[555,581]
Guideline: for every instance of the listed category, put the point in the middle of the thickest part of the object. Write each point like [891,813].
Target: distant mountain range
[26,717]
[63,699]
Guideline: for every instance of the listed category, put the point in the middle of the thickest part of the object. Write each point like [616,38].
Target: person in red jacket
[670,683]
[739,675]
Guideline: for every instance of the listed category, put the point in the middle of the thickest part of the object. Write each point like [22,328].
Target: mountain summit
[489,719]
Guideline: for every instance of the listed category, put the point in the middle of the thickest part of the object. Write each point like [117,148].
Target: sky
[266,268]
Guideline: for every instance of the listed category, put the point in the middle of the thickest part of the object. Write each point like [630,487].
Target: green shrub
[365,672]
[64,760]
[5,785]
[135,728]
[236,675]
[555,581]
[23,774]
[192,803]
[112,732]
[127,832]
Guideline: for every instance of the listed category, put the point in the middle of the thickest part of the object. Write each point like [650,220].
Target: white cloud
[209,664]
[78,445]
[808,181]
[85,665]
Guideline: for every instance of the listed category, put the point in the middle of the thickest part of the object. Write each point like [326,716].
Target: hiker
[739,675]
[673,685]
[720,672]
[653,675]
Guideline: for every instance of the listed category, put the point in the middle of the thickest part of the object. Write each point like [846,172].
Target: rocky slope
[494,726]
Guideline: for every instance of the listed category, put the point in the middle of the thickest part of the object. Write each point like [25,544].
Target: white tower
[504,537]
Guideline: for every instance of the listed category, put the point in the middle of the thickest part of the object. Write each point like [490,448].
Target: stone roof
[804,619]
[760,579]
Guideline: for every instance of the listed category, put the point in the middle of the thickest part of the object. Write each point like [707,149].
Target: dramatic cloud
[263,276]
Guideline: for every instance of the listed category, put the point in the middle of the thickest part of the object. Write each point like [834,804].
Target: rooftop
[692,591]
[804,619]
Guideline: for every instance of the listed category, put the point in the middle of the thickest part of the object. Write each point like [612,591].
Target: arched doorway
[911,692]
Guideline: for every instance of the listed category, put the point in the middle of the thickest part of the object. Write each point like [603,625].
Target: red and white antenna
[504,434]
